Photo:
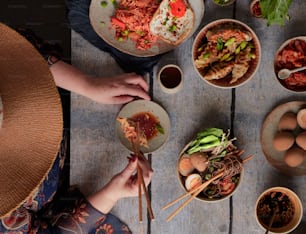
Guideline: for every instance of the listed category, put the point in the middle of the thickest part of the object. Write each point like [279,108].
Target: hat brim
[32,124]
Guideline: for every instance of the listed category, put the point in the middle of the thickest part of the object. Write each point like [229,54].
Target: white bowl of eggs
[283,138]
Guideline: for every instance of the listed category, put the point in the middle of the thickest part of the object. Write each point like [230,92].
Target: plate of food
[226,53]
[145,28]
[283,138]
[210,153]
[144,122]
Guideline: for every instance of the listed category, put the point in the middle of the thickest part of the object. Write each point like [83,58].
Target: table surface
[96,154]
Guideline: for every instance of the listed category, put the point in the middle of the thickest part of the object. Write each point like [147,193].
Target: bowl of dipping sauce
[170,78]
[281,204]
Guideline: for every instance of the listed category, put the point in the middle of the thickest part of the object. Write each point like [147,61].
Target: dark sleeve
[74,214]
[47,50]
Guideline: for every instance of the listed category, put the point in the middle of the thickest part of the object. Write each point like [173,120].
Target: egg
[283,140]
[185,167]
[294,156]
[288,121]
[301,118]
[199,161]
[301,140]
[192,181]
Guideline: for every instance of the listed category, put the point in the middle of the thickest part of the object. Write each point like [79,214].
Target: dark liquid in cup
[170,77]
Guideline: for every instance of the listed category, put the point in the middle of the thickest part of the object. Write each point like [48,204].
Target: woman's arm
[108,90]
[121,185]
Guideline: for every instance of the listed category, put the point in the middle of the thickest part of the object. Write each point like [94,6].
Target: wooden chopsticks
[193,193]
[141,182]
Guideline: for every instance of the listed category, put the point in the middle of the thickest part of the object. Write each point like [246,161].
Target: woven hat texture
[32,124]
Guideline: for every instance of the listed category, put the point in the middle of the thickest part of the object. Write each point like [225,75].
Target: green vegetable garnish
[102,23]
[220,44]
[275,11]
[115,4]
[103,3]
[160,129]
[243,45]
[224,57]
[229,41]
[120,39]
[206,55]
[125,32]
[237,50]
[172,28]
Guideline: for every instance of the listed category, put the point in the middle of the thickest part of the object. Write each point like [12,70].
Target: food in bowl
[283,205]
[291,55]
[226,53]
[223,2]
[173,21]
[141,127]
[209,154]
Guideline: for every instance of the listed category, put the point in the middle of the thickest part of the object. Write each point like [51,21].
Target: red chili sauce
[256,10]
[147,124]
[293,56]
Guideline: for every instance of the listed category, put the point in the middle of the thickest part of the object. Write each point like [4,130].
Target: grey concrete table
[96,154]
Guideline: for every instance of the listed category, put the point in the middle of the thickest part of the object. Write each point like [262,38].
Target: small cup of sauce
[170,78]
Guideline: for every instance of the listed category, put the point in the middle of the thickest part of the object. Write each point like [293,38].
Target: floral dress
[51,211]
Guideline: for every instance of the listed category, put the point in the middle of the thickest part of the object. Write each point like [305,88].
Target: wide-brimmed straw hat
[32,125]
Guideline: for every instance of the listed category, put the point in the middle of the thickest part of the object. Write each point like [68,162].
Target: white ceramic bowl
[225,24]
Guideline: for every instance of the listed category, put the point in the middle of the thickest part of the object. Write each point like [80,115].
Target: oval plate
[269,129]
[100,21]
[153,108]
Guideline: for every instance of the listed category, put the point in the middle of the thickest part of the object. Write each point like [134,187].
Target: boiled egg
[288,121]
[301,118]
[193,181]
[185,167]
[301,140]
[283,140]
[294,156]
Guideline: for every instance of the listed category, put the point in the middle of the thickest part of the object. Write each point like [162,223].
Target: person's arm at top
[107,90]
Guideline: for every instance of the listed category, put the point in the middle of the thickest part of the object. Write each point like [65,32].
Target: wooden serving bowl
[296,217]
[224,24]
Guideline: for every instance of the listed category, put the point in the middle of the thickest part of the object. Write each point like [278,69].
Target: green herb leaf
[103,3]
[275,11]
[220,44]
[160,129]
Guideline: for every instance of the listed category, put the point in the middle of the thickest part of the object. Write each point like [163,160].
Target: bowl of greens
[210,153]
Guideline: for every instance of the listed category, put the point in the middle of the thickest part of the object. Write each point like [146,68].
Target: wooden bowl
[201,196]
[201,39]
[291,224]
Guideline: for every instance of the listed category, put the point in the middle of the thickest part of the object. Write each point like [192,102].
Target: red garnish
[118,23]
[178,8]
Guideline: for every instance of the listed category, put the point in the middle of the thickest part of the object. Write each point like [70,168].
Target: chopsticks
[141,182]
[194,192]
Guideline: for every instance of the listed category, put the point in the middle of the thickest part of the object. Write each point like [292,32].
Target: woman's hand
[118,89]
[122,185]
[107,90]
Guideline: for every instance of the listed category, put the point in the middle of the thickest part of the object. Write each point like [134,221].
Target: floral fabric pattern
[50,212]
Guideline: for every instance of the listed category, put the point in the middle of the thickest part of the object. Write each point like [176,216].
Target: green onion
[103,3]
[206,55]
[220,44]
[243,44]
[229,41]
[125,32]
[172,28]
[160,129]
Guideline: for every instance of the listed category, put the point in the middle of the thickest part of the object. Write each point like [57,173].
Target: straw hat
[32,125]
